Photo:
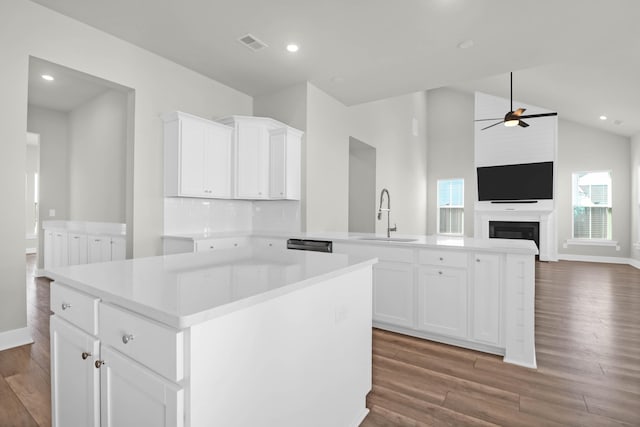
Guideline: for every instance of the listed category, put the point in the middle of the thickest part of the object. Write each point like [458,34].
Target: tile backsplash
[202,216]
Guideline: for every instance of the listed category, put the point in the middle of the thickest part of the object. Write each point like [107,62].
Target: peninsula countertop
[186,289]
[514,246]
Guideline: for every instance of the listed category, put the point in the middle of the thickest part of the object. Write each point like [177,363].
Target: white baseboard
[15,338]
[605,259]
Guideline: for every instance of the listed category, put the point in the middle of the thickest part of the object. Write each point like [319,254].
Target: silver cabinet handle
[127,338]
[76,237]
[441,259]
[65,305]
[440,272]
[85,355]
[477,259]
[99,363]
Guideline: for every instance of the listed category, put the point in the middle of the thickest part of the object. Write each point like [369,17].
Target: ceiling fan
[514,118]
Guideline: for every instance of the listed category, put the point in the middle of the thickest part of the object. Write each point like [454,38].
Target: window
[450,206]
[592,205]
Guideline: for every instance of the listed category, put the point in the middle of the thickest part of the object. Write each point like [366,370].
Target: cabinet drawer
[444,258]
[392,254]
[156,346]
[78,308]
[223,243]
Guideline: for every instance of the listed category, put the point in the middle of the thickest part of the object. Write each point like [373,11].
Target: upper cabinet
[197,157]
[284,163]
[266,158]
[237,157]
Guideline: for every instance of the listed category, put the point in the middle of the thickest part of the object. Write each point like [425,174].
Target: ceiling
[577,57]
[68,91]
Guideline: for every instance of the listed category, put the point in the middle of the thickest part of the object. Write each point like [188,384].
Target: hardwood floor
[587,346]
[588,354]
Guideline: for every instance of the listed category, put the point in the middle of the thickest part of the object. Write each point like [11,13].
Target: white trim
[591,242]
[634,263]
[591,258]
[15,338]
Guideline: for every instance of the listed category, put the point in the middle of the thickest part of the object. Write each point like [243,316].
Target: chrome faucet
[388,210]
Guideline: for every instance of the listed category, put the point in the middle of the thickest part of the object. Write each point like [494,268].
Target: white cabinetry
[77,248]
[284,163]
[487,299]
[105,248]
[266,158]
[197,157]
[393,293]
[111,370]
[55,249]
[442,301]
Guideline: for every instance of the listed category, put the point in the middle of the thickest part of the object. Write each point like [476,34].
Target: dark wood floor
[588,354]
[587,346]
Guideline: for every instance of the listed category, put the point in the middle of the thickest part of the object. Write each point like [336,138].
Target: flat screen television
[528,181]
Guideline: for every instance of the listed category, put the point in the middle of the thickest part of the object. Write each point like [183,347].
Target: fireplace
[528,230]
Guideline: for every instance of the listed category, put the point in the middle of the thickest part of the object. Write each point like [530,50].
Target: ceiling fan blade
[519,112]
[522,124]
[533,116]
[490,126]
[486,120]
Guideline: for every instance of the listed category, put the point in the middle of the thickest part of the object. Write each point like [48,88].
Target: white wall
[160,86]
[327,163]
[581,148]
[397,129]
[362,187]
[450,135]
[635,196]
[53,127]
[97,159]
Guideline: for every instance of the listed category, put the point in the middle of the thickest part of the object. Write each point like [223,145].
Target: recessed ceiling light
[47,77]
[292,47]
[466,44]
[603,117]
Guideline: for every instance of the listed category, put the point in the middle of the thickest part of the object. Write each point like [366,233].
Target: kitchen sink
[388,239]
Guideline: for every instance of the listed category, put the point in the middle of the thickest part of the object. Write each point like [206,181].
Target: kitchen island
[238,337]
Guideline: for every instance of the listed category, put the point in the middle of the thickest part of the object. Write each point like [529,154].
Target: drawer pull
[65,305]
[99,363]
[85,355]
[477,259]
[441,259]
[440,272]
[127,338]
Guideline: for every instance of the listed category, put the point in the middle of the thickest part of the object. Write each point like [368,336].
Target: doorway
[31,199]
[362,187]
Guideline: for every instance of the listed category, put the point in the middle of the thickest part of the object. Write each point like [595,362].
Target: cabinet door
[193,140]
[75,391]
[132,395]
[486,299]
[277,165]
[118,248]
[48,249]
[217,161]
[77,249]
[442,301]
[98,249]
[60,254]
[393,293]
[293,174]
[252,175]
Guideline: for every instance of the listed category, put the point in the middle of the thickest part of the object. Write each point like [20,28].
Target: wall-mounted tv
[528,181]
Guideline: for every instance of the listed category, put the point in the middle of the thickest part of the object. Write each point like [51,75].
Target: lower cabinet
[75,395]
[105,248]
[132,395]
[393,293]
[442,301]
[94,384]
[487,299]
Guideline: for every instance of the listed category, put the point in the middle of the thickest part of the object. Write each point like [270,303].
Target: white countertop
[514,246]
[186,289]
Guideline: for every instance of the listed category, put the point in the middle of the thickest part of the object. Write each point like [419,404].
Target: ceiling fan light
[511,123]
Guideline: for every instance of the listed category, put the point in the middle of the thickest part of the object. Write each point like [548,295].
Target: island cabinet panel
[442,301]
[75,392]
[487,299]
[393,293]
[132,395]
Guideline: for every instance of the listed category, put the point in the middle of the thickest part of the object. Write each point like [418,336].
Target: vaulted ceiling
[577,57]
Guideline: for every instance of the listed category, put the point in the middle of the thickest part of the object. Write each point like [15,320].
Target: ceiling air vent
[252,43]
